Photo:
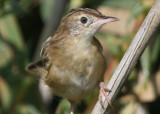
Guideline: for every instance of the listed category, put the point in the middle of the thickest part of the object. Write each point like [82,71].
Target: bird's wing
[45,53]
[51,50]
[97,44]
[40,67]
[44,50]
[37,68]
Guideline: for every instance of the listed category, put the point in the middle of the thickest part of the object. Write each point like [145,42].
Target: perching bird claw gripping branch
[132,55]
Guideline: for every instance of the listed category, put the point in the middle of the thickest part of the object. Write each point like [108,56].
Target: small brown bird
[72,63]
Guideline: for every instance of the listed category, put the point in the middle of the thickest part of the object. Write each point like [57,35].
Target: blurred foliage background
[25,24]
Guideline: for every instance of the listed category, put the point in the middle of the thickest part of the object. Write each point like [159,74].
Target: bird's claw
[103,90]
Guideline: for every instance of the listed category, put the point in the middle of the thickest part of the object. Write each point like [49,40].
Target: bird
[72,63]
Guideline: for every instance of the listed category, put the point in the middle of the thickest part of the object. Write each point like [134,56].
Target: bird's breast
[80,71]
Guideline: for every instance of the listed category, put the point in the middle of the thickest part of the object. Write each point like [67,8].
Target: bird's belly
[78,79]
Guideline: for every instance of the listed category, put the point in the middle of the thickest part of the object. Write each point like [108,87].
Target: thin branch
[132,55]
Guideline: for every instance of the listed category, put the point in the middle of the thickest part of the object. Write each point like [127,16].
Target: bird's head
[84,22]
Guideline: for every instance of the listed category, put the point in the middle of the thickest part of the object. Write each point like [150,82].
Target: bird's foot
[103,90]
[72,107]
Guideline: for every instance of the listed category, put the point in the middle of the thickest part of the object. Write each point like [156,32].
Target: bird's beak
[106,19]
[95,26]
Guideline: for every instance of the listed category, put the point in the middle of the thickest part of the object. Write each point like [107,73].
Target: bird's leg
[72,107]
[103,90]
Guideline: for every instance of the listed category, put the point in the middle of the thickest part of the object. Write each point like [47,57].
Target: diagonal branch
[132,55]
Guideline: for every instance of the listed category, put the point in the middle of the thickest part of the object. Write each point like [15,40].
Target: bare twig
[134,52]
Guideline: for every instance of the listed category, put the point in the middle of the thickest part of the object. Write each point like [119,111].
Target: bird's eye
[83,20]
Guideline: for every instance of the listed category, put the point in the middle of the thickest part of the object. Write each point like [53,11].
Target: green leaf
[26,109]
[120,3]
[146,62]
[113,44]
[5,95]
[25,5]
[10,30]
[136,11]
[6,53]
[156,50]
[46,8]
[64,107]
